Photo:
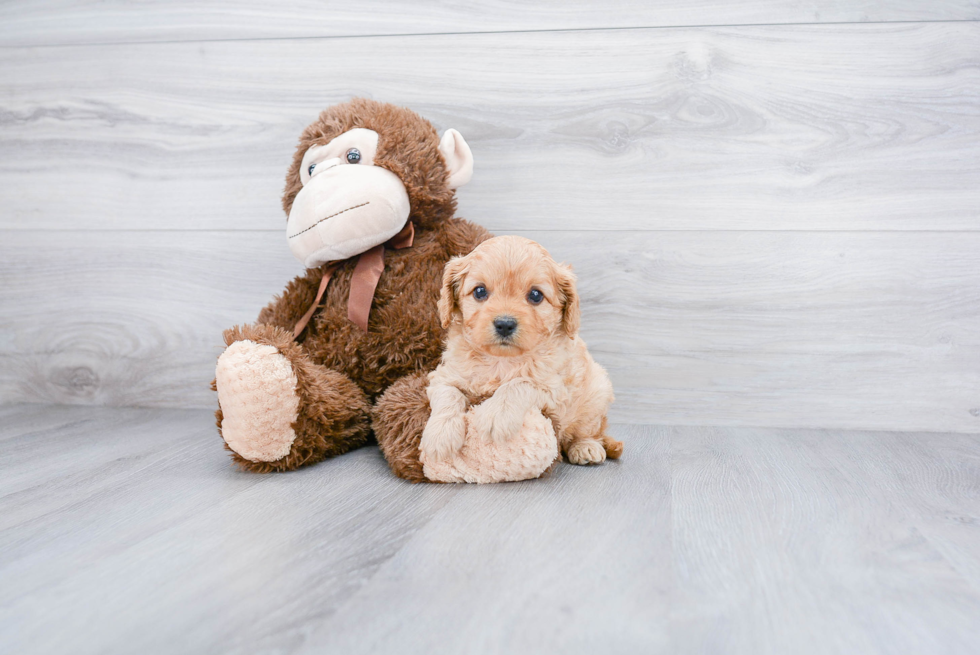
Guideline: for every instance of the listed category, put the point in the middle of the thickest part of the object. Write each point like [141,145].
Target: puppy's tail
[614,449]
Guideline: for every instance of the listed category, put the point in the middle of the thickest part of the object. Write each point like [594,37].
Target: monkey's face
[352,197]
[347,204]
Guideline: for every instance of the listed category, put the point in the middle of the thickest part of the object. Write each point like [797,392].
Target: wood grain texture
[578,564]
[132,318]
[869,330]
[813,541]
[162,526]
[53,22]
[839,127]
[851,330]
[128,530]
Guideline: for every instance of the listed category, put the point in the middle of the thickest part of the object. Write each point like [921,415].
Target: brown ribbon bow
[370,265]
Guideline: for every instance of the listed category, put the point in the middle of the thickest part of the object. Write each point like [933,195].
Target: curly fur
[542,365]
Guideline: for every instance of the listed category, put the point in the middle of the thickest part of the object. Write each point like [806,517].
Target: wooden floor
[128,531]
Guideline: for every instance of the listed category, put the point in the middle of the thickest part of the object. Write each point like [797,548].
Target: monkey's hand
[445,432]
[501,416]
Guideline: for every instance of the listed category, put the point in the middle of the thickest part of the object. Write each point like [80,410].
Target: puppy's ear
[452,278]
[571,315]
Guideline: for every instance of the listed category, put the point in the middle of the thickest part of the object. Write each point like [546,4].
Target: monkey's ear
[452,278]
[459,159]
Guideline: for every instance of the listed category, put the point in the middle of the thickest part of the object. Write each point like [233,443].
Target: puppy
[512,315]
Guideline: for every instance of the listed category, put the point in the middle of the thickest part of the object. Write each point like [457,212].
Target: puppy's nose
[505,325]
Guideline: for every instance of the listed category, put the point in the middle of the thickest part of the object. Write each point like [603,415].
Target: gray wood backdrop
[773,207]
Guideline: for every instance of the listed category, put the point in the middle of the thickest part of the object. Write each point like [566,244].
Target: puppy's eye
[310,169]
[353,156]
[535,297]
[480,293]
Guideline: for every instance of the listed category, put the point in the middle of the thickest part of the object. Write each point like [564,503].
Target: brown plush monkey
[370,204]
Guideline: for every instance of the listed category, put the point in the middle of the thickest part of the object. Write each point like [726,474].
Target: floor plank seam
[706,26]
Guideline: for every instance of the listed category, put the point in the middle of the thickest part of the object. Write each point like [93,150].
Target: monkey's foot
[258,399]
[526,456]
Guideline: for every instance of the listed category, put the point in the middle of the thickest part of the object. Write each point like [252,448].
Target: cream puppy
[512,315]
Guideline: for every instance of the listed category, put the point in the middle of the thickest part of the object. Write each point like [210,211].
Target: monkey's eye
[535,297]
[310,169]
[353,156]
[480,293]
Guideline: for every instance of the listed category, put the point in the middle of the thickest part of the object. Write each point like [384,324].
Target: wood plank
[18,420]
[150,539]
[841,127]
[870,331]
[780,541]
[144,538]
[811,541]
[50,22]
[851,330]
[130,318]
[576,563]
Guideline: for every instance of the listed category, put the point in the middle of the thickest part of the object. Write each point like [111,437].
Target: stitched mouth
[326,218]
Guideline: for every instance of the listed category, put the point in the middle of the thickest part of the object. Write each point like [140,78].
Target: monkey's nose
[505,325]
[324,165]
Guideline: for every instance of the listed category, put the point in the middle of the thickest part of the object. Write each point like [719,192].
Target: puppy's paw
[588,451]
[492,421]
[442,438]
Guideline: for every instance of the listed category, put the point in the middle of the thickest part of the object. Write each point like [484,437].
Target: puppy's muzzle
[505,326]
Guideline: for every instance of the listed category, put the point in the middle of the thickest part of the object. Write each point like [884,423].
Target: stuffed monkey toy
[343,353]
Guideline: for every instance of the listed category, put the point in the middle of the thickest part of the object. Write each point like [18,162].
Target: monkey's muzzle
[344,211]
